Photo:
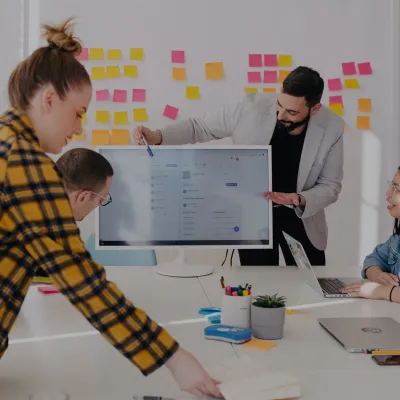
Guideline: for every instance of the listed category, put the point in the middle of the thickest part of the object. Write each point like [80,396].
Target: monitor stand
[180,268]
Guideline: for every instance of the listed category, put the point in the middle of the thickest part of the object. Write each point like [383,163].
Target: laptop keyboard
[331,285]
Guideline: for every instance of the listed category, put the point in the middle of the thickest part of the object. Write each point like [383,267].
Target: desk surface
[51,344]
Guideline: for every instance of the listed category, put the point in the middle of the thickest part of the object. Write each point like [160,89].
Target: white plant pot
[267,323]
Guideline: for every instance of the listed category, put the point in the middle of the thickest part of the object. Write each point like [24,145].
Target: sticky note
[102,95]
[112,71]
[179,74]
[140,114]
[100,137]
[119,137]
[254,77]
[114,54]
[365,68]
[283,73]
[192,92]
[83,55]
[337,108]
[84,119]
[131,71]
[119,96]
[139,95]
[48,290]
[258,344]
[255,60]
[96,54]
[170,112]
[250,90]
[363,122]
[270,77]
[349,68]
[269,90]
[284,60]
[178,56]
[103,117]
[98,73]
[336,100]
[79,137]
[270,60]
[137,54]
[335,84]
[214,71]
[351,84]
[121,118]
[364,105]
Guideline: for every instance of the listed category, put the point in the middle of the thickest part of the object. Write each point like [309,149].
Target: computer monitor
[196,196]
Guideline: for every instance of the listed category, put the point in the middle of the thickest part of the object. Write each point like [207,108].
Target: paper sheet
[102,117]
[192,92]
[112,71]
[178,56]
[114,54]
[121,118]
[140,115]
[98,73]
[254,77]
[84,119]
[214,71]
[269,90]
[335,84]
[79,137]
[258,344]
[84,55]
[284,60]
[102,95]
[255,60]
[349,68]
[337,108]
[170,112]
[120,137]
[270,60]
[365,105]
[363,122]
[336,100]
[119,96]
[270,77]
[131,71]
[179,74]
[351,83]
[365,68]
[96,54]
[250,90]
[139,95]
[100,137]
[283,73]
[137,54]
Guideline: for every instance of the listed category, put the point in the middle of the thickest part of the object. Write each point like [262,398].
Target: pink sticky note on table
[83,55]
[254,77]
[349,68]
[270,77]
[365,68]
[119,96]
[102,95]
[48,290]
[255,60]
[336,100]
[178,56]
[170,112]
[335,84]
[139,95]
[270,60]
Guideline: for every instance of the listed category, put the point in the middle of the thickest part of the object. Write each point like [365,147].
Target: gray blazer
[252,121]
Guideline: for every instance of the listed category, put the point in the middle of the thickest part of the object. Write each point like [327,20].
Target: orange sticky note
[192,92]
[283,73]
[346,128]
[351,84]
[100,137]
[214,70]
[258,344]
[114,54]
[131,71]
[363,122]
[250,90]
[179,74]
[337,108]
[269,90]
[137,54]
[96,54]
[112,71]
[364,105]
[121,118]
[120,137]
[284,60]
[103,117]
[140,114]
[98,73]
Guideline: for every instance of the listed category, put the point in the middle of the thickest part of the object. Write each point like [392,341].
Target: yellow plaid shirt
[37,229]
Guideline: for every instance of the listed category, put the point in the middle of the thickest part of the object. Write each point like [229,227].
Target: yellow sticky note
[179,74]
[100,137]
[269,90]
[84,119]
[351,83]
[363,122]
[103,117]
[120,137]
[121,118]
[284,60]
[140,114]
[250,90]
[214,70]
[192,92]
[114,54]
[130,71]
[96,54]
[98,73]
[137,54]
[112,71]
[364,105]
[258,344]
[79,137]
[337,108]
[283,73]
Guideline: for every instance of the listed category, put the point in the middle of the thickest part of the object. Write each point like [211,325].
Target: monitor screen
[187,196]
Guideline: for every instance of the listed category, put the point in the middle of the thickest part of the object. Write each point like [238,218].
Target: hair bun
[62,37]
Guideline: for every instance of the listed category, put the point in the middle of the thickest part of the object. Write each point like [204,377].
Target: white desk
[87,367]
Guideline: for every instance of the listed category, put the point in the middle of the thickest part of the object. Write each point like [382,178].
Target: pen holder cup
[236,311]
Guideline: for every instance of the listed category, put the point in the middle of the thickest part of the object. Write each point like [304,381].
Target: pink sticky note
[349,68]
[102,95]
[170,112]
[270,60]
[119,96]
[139,95]
[48,290]
[336,100]
[254,77]
[365,68]
[84,55]
[335,84]
[270,77]
[255,60]
[178,56]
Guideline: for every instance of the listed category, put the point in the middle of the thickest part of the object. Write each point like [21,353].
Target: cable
[233,252]
[226,256]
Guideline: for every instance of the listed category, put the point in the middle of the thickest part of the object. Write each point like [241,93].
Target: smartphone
[386,359]
[150,398]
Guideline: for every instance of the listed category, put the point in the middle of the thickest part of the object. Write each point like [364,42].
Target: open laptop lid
[303,264]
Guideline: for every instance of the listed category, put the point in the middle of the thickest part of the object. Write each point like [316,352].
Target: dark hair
[396,228]
[84,169]
[304,82]
[54,64]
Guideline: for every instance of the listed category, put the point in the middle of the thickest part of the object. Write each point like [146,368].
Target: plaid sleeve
[40,212]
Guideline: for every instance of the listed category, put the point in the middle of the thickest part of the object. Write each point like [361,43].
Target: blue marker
[148,147]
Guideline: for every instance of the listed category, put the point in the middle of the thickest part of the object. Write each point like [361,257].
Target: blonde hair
[54,64]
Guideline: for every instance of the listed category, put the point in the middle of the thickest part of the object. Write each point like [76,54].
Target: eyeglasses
[393,187]
[105,200]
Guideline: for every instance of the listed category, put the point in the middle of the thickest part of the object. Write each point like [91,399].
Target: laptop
[327,287]
[364,335]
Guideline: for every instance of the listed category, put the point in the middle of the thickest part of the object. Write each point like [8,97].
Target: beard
[290,126]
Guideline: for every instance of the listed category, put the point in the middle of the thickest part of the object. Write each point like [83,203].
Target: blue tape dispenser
[228,334]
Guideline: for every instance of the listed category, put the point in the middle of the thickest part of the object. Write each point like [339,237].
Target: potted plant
[268,317]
